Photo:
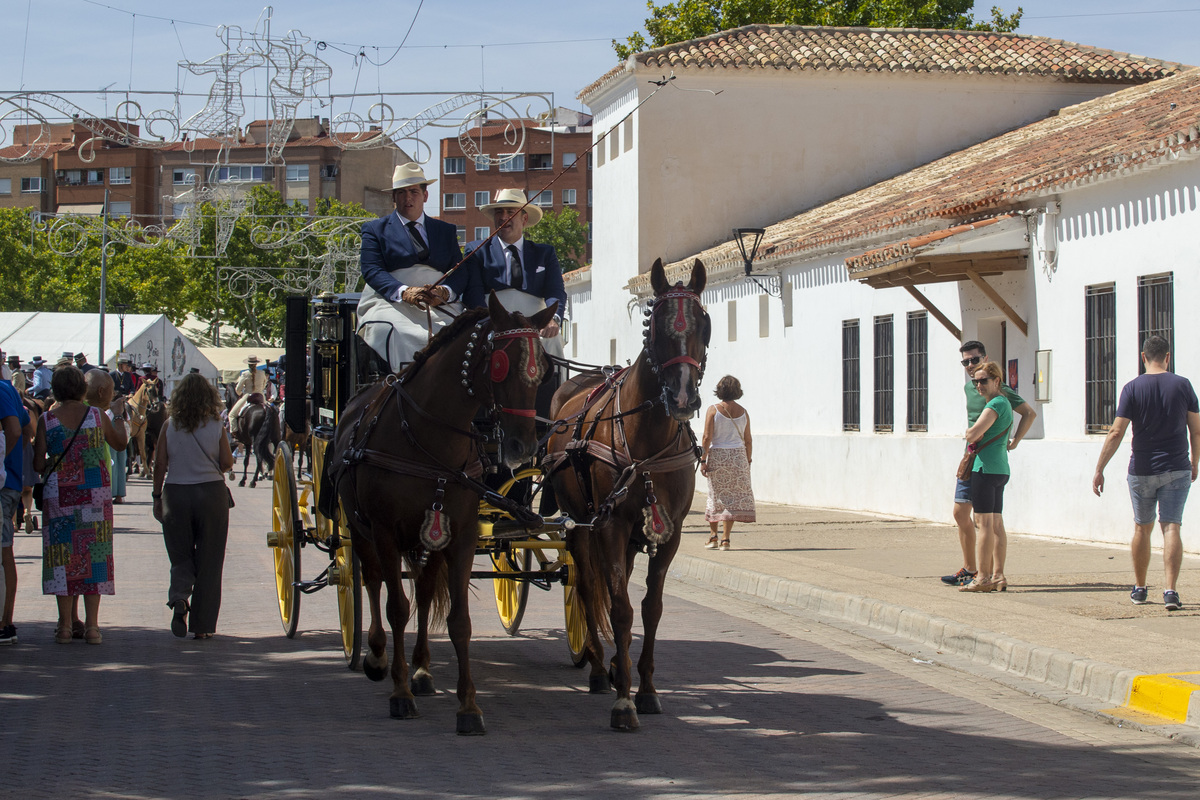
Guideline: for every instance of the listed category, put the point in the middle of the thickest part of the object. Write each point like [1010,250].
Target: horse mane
[442,338]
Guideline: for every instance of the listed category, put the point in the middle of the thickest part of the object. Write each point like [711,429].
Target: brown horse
[624,460]
[406,467]
[257,428]
[146,402]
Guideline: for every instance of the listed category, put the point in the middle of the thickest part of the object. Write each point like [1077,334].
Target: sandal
[711,544]
[724,544]
[92,636]
[62,634]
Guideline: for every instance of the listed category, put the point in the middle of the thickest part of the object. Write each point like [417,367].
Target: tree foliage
[566,233]
[690,19]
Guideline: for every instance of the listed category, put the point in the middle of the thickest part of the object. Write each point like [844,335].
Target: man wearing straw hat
[403,254]
[525,275]
[251,381]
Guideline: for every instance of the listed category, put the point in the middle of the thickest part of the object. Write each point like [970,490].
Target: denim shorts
[10,499]
[962,492]
[1167,490]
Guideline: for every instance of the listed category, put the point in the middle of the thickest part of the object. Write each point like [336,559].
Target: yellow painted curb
[1166,695]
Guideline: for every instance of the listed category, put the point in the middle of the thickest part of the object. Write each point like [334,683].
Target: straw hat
[410,174]
[514,198]
[252,359]
[124,358]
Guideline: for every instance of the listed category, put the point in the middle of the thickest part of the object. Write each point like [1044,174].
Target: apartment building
[549,146]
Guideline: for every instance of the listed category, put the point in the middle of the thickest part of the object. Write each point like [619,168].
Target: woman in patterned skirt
[726,462]
[77,529]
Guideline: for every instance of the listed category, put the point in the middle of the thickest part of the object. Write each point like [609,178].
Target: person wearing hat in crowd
[402,255]
[65,359]
[525,275]
[252,380]
[150,374]
[6,372]
[82,362]
[18,377]
[41,378]
[125,380]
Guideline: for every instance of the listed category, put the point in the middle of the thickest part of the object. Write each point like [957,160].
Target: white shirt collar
[405,220]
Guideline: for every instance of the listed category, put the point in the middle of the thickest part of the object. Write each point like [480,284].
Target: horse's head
[515,368]
[676,339]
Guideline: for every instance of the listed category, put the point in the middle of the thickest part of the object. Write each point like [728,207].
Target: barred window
[1100,356]
[1156,312]
[851,403]
[885,378]
[918,371]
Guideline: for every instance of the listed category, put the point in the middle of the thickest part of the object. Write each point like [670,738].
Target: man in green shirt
[973,354]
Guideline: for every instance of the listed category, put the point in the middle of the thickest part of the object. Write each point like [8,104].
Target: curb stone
[1057,676]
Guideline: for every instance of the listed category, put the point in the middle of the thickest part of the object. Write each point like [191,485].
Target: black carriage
[325,354]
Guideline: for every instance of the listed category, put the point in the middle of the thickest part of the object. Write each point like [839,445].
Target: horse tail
[435,577]
[594,583]
[263,438]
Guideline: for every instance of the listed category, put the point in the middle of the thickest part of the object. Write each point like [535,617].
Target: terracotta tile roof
[1116,134]
[800,48]
[18,150]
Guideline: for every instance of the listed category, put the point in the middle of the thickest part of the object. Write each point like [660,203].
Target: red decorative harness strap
[500,363]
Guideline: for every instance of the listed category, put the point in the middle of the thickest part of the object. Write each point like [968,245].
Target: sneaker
[1138,595]
[960,578]
[1171,600]
[8,635]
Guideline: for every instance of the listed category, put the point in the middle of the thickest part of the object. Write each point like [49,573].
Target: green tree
[690,19]
[566,233]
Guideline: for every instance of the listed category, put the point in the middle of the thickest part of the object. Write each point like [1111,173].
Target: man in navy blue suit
[403,255]
[511,262]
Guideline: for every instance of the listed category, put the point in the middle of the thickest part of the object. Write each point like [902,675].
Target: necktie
[422,248]
[515,270]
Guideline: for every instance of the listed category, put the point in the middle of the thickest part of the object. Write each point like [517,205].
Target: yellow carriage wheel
[511,593]
[285,539]
[576,617]
[345,575]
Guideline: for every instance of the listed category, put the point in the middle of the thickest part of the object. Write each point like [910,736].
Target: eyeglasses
[980,381]
[966,362]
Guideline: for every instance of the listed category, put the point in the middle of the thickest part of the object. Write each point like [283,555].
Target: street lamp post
[121,309]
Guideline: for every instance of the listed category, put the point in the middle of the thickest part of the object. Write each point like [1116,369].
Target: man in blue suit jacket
[510,261]
[407,238]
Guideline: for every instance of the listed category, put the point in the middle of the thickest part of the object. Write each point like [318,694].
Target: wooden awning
[936,258]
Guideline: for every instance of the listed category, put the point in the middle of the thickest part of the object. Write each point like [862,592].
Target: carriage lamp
[748,240]
[327,322]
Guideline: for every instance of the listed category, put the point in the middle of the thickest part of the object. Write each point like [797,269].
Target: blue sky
[459,45]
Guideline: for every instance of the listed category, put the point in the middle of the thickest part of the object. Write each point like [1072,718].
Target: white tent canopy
[231,361]
[148,338]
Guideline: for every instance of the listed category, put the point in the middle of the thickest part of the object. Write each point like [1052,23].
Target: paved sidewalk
[1066,620]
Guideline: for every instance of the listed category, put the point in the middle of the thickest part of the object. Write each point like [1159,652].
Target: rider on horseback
[252,381]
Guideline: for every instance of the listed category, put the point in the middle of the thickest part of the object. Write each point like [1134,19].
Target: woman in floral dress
[726,462]
[77,530]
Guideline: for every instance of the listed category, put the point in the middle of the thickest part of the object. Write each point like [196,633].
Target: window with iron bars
[885,377]
[918,371]
[1100,357]
[851,401]
[1156,313]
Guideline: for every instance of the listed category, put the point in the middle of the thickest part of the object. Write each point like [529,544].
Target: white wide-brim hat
[514,198]
[252,359]
[124,358]
[410,174]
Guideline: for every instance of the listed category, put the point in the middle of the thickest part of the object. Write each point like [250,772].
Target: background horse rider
[251,381]
[402,255]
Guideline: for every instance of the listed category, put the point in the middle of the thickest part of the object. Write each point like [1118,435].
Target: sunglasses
[981,381]
[966,362]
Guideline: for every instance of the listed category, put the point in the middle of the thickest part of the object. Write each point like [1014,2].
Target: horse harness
[435,533]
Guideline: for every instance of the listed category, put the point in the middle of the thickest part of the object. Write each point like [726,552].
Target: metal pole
[101,358]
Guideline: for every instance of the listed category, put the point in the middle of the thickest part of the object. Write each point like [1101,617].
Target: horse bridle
[680,294]
[499,363]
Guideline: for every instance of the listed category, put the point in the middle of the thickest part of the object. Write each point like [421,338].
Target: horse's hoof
[375,672]
[624,716]
[422,684]
[253,484]
[242,483]
[403,708]
[470,724]
[599,684]
[647,703]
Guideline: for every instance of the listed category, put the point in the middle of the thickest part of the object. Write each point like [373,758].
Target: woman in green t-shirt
[989,435]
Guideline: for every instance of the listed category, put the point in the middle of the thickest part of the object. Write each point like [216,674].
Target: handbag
[228,491]
[968,459]
[39,489]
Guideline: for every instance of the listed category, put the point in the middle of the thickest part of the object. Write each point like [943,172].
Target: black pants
[195,529]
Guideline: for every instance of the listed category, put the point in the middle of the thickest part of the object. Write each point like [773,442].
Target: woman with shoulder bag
[989,474]
[192,502]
